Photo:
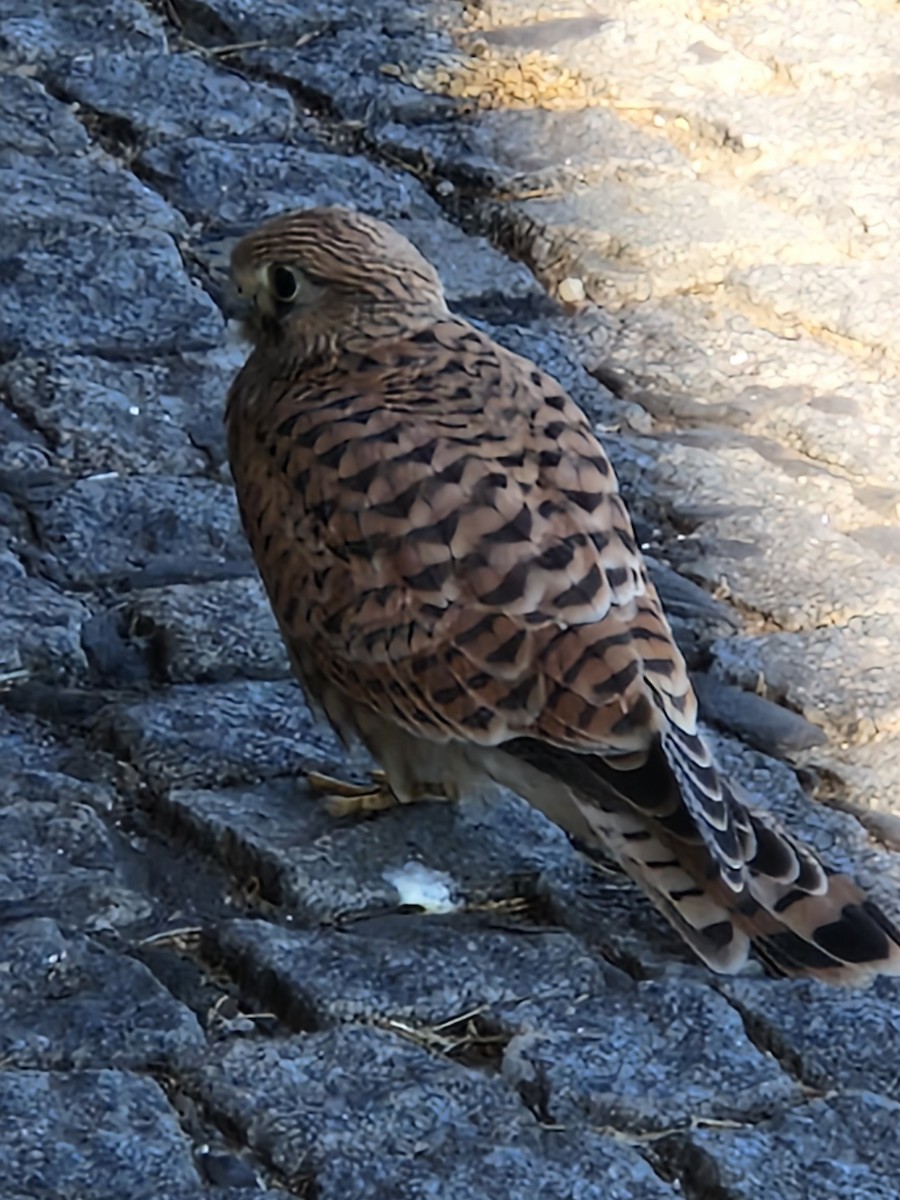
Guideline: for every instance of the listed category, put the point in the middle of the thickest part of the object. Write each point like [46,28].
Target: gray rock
[111,295]
[763,725]
[662,1055]
[803,668]
[108,528]
[238,185]
[23,449]
[27,745]
[519,150]
[835,1149]
[38,33]
[343,67]
[88,195]
[667,1057]
[166,95]
[357,1110]
[213,734]
[60,852]
[827,1038]
[424,969]
[69,1005]
[100,1133]
[322,868]
[162,417]
[40,630]
[36,123]
[209,632]
[37,773]
[273,22]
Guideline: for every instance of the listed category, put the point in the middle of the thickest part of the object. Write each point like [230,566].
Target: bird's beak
[237,305]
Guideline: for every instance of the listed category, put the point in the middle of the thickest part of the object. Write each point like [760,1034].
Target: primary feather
[457,582]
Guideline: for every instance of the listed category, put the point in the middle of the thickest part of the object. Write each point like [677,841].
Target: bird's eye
[284,284]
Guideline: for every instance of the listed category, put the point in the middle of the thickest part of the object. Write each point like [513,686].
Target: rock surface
[209,987]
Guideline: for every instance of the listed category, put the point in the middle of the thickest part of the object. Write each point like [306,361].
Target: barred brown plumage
[458,584]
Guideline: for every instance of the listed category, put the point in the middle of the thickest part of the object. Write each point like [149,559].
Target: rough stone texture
[236,185]
[425,969]
[68,1004]
[72,1133]
[42,629]
[359,1110]
[669,1058]
[209,632]
[174,902]
[59,852]
[831,1040]
[211,735]
[115,296]
[99,416]
[109,526]
[212,103]
[492,850]
[628,1070]
[844,1147]
[38,34]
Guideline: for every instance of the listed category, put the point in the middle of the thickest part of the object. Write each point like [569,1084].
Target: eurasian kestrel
[457,582]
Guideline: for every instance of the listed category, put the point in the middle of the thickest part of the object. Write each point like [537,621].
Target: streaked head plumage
[310,262]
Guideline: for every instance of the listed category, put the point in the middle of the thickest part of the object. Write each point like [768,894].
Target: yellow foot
[344,799]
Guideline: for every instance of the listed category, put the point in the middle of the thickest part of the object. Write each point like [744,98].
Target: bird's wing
[442,531]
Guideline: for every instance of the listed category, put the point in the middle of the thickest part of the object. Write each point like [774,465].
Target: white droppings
[134,410]
[571,290]
[421,887]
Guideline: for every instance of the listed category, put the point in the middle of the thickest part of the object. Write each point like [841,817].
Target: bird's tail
[802,917]
[724,875]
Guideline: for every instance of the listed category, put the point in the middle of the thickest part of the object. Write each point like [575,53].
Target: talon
[343,799]
[342,787]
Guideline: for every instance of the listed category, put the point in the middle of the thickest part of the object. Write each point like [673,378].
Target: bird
[458,586]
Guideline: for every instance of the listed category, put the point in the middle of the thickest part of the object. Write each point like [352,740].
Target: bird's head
[330,276]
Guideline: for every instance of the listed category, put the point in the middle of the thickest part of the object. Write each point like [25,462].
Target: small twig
[467,1016]
[186,935]
[8,678]
[235,48]
[261,44]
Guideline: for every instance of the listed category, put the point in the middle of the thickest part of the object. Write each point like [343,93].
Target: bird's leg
[343,799]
